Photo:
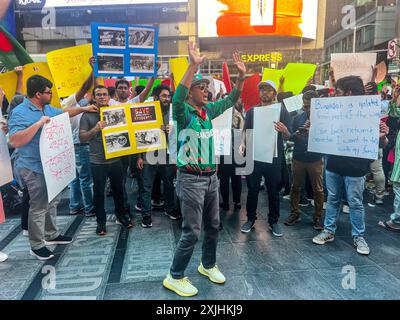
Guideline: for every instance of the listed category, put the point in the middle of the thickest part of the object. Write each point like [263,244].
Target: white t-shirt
[130,101]
[71,102]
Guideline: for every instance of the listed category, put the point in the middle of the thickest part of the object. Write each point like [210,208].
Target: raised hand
[239,64]
[91,108]
[92,61]
[18,70]
[195,57]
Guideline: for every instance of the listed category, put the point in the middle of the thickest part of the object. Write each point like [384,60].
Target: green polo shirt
[195,133]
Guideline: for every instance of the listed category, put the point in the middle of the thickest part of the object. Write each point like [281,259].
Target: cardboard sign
[345,126]
[125,50]
[6,173]
[70,68]
[132,128]
[265,136]
[294,103]
[353,64]
[8,81]
[222,131]
[297,75]
[57,154]
[178,67]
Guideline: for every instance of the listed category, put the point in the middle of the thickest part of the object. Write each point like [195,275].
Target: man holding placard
[304,163]
[345,173]
[25,125]
[197,186]
[90,131]
[271,171]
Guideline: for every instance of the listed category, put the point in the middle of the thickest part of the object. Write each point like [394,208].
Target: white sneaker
[25,233]
[182,287]
[213,274]
[3,257]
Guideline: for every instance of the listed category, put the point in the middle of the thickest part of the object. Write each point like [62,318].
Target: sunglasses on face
[202,87]
[47,92]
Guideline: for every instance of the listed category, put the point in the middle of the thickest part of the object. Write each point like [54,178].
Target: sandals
[389,226]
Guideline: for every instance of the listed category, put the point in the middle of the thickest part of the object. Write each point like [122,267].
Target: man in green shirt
[197,186]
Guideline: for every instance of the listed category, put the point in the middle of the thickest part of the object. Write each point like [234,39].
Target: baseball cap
[267,83]
[198,79]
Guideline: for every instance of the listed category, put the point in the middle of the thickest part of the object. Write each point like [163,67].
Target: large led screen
[76,3]
[225,18]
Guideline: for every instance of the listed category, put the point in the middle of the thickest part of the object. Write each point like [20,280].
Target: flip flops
[389,226]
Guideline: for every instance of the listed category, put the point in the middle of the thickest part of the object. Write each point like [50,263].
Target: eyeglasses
[101,94]
[266,89]
[202,87]
[47,92]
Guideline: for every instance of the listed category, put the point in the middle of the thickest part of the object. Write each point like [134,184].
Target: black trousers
[100,173]
[273,176]
[226,173]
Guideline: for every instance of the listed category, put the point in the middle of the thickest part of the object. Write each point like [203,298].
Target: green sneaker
[213,274]
[181,287]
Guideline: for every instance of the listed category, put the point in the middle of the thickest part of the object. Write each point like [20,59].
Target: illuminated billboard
[88,3]
[235,18]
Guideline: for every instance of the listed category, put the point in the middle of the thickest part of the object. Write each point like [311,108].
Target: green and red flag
[12,54]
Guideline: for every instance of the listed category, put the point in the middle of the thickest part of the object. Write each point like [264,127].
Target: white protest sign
[57,154]
[345,126]
[172,137]
[294,103]
[353,64]
[222,132]
[6,174]
[265,136]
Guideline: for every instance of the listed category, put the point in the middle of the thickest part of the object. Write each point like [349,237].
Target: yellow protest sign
[178,67]
[8,81]
[132,128]
[70,68]
[273,75]
[296,76]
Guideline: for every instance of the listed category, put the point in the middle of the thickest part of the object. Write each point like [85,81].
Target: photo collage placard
[125,50]
[132,128]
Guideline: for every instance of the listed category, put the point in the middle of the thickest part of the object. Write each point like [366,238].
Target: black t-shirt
[285,118]
[347,166]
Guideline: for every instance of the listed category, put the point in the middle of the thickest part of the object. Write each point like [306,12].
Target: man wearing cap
[197,183]
[272,172]
[305,162]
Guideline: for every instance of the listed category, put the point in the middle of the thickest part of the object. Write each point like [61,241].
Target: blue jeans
[81,189]
[353,187]
[167,173]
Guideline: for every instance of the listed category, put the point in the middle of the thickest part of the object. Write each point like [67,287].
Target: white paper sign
[294,103]
[172,137]
[57,154]
[353,64]
[222,132]
[6,174]
[265,136]
[345,126]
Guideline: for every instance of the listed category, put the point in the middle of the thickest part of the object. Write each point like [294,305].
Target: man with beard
[161,93]
[272,172]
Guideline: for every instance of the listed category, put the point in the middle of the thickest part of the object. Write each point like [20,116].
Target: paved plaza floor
[131,265]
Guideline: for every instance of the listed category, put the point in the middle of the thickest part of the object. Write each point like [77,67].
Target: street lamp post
[355,32]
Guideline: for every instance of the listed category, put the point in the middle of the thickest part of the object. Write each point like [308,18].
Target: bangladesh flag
[12,54]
